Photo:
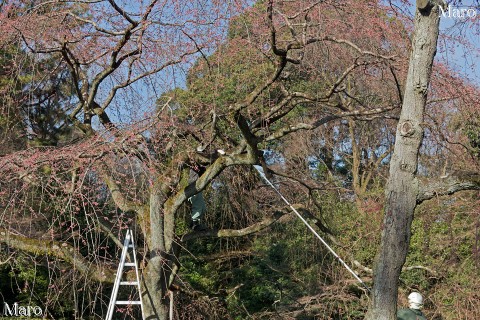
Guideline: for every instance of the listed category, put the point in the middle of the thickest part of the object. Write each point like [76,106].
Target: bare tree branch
[118,197]
[176,200]
[446,189]
[60,250]
[370,271]
[122,12]
[311,126]
[232,233]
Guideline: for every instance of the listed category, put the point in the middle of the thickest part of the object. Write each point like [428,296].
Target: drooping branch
[117,196]
[233,233]
[446,189]
[429,270]
[281,215]
[60,250]
[311,126]
[410,268]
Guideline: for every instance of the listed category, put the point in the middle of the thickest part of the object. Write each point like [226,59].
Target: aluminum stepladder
[128,244]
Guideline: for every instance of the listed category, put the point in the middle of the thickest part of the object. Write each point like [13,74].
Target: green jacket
[410,314]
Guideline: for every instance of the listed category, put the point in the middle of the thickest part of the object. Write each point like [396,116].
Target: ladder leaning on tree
[128,244]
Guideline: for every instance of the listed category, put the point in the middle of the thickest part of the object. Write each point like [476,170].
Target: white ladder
[128,244]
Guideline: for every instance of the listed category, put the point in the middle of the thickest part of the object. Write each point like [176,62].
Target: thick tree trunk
[164,250]
[157,276]
[154,295]
[402,187]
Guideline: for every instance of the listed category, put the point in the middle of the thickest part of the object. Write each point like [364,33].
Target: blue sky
[452,51]
[463,59]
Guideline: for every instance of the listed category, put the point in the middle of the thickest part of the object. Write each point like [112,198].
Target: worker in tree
[415,302]
[197,201]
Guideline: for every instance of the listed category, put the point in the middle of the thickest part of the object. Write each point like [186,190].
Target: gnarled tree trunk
[402,187]
[158,274]
[154,292]
[160,234]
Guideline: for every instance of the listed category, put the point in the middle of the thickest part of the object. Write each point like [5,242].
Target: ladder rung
[127,244]
[128,302]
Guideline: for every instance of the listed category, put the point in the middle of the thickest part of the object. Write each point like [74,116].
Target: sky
[456,33]
[458,47]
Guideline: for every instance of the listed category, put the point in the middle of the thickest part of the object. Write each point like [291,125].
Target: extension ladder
[128,244]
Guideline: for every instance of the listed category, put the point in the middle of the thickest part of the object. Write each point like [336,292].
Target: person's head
[415,300]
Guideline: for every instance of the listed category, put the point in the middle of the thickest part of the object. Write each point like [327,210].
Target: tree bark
[156,275]
[164,250]
[402,187]
[61,250]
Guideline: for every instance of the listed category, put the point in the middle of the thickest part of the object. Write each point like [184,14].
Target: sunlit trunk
[402,187]
[158,273]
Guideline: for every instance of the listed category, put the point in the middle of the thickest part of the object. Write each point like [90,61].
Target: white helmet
[415,300]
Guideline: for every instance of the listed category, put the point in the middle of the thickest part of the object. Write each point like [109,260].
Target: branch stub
[423,4]
[407,129]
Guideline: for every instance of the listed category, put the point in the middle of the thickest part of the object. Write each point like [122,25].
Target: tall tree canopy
[107,105]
